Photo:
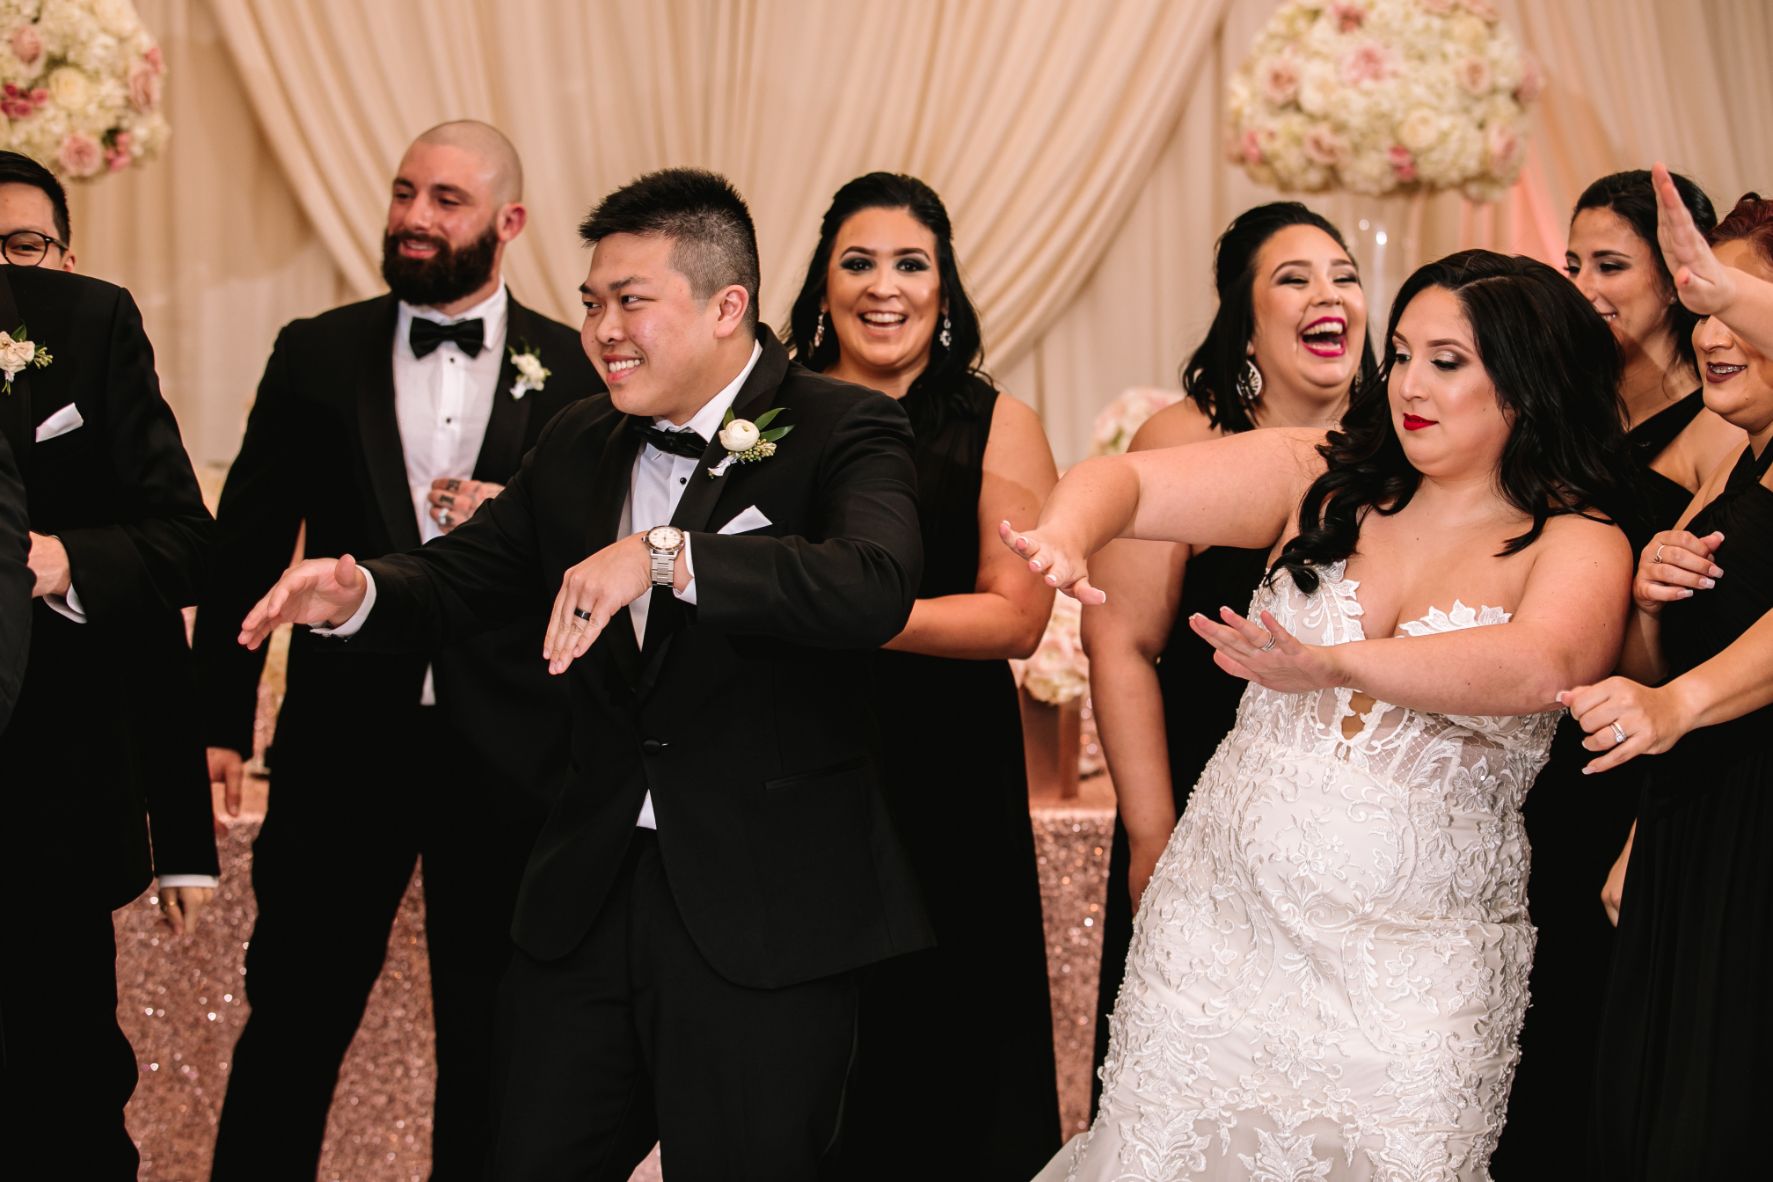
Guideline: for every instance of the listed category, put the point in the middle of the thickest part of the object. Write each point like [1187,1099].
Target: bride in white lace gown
[1329,966]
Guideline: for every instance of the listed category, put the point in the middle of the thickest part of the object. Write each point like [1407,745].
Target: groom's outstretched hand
[317,591]
[592,592]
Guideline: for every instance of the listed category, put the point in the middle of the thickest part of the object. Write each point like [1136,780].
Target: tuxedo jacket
[84,795]
[322,452]
[745,715]
[16,582]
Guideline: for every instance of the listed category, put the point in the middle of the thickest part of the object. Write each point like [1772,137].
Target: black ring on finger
[582,614]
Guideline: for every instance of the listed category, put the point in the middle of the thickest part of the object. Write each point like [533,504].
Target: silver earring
[1249,384]
[946,336]
[819,331]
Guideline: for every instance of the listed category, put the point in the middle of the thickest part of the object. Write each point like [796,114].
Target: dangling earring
[819,331]
[946,336]
[1249,384]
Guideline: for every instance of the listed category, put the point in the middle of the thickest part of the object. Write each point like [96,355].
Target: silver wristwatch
[662,544]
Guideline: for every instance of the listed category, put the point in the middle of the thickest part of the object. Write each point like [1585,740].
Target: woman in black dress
[1288,341]
[1576,823]
[1681,1087]
[967,1026]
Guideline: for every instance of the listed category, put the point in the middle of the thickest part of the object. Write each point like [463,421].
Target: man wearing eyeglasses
[98,795]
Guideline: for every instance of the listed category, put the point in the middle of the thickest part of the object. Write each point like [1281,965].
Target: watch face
[664,537]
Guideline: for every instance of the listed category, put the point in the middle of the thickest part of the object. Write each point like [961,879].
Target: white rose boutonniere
[17,352]
[748,442]
[531,374]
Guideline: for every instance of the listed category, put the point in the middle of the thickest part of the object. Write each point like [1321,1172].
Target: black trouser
[633,1038]
[68,1069]
[329,869]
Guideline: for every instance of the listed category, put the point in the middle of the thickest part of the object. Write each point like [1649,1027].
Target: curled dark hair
[1555,367]
[713,243]
[940,389]
[1633,198]
[1210,375]
[1752,221]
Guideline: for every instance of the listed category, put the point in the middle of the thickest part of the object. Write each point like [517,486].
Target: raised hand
[1059,562]
[1702,283]
[1625,720]
[1673,566]
[317,591]
[1267,653]
[592,592]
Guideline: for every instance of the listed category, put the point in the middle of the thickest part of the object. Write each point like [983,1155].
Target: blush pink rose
[1436,7]
[1366,63]
[144,86]
[1253,147]
[153,58]
[1403,163]
[80,155]
[1474,75]
[27,46]
[1483,9]
[1503,144]
[1280,80]
[1532,81]
[1323,146]
[1347,15]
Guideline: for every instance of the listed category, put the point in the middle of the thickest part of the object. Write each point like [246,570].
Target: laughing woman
[966,1026]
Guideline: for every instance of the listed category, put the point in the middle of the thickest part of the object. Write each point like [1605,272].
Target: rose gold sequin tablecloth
[181,1002]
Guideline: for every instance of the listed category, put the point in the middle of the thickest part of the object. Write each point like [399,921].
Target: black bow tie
[677,443]
[426,335]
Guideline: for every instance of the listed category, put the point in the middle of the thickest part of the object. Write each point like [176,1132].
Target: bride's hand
[1059,561]
[1267,654]
[1673,566]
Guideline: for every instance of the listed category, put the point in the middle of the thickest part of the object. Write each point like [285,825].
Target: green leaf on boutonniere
[772,435]
[763,420]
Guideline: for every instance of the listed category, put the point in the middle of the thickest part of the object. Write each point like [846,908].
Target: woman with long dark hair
[1685,1038]
[1287,343]
[968,1024]
[1329,965]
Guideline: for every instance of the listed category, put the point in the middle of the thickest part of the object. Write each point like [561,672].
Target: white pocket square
[745,522]
[60,423]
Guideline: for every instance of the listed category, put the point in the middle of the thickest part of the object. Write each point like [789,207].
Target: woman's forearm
[1641,657]
[1497,669]
[976,626]
[1129,710]
[1736,682]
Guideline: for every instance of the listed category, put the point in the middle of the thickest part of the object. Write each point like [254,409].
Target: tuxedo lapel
[379,425]
[15,408]
[501,448]
[609,492]
[704,491]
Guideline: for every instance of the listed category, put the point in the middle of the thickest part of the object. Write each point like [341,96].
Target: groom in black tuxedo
[119,544]
[378,426]
[721,860]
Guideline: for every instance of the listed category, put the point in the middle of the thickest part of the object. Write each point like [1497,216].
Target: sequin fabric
[1329,969]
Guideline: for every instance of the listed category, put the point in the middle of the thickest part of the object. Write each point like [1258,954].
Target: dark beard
[448,276]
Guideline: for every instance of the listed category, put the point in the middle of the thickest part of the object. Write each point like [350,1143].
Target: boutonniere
[747,442]
[17,352]
[531,374]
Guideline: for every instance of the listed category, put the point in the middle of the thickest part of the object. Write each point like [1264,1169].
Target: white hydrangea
[1377,96]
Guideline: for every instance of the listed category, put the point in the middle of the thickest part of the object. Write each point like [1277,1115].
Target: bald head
[504,171]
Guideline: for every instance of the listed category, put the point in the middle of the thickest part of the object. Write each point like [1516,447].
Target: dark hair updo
[1631,196]
[940,389]
[1555,367]
[1210,375]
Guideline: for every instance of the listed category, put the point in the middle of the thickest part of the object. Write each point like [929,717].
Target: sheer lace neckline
[1435,620]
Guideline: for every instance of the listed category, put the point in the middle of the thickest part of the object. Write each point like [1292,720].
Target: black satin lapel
[379,425]
[609,492]
[501,448]
[15,407]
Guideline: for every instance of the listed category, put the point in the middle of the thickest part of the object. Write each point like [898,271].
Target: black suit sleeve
[256,523]
[852,588]
[16,583]
[155,558]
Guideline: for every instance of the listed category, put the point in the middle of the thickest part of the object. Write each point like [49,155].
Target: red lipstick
[1416,422]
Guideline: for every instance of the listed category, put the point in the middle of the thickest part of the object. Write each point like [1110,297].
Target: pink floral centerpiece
[1383,96]
[80,85]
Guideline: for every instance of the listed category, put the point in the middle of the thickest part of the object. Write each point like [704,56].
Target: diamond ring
[1619,735]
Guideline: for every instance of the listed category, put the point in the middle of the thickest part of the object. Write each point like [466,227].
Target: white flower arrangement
[1117,423]
[17,353]
[747,442]
[1383,96]
[80,85]
[531,373]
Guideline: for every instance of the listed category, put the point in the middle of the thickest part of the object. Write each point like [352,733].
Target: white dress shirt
[443,402]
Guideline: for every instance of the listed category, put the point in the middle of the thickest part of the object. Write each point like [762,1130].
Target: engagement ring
[1618,734]
[1272,638]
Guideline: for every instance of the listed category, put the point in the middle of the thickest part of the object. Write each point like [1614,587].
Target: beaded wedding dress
[1329,967]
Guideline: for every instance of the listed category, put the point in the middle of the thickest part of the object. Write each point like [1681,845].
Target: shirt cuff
[688,594]
[350,627]
[189,880]
[68,605]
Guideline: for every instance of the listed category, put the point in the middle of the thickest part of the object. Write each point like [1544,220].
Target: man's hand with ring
[454,499]
[590,593]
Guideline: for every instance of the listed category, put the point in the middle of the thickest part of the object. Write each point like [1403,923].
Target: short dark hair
[713,243]
[951,365]
[1555,367]
[19,169]
[1631,196]
[1210,375]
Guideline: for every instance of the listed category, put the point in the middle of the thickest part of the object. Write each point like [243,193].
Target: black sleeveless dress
[1576,825]
[954,1072]
[1200,706]
[1683,1088]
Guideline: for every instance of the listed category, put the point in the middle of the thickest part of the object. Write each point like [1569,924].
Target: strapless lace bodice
[1329,967]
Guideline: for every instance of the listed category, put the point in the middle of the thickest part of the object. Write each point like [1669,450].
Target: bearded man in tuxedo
[721,860]
[118,547]
[379,426]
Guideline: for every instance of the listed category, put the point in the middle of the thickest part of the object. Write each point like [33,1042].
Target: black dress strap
[1649,437]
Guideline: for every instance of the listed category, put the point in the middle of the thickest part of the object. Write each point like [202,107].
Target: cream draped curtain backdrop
[1078,147]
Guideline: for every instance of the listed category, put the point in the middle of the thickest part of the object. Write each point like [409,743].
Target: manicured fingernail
[1717,572]
[1686,592]
[1707,584]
